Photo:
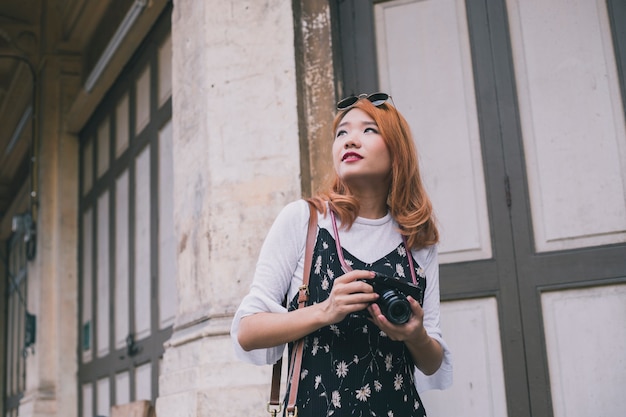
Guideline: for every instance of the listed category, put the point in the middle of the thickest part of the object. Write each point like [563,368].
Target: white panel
[87,166]
[425,64]
[471,329]
[165,70]
[142,245]
[122,388]
[572,122]
[103,322]
[103,141]
[87,400]
[121,261]
[103,400]
[121,125]
[587,363]
[87,278]
[142,109]
[168,292]
[143,379]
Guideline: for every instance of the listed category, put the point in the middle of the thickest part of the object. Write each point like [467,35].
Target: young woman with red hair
[371,331]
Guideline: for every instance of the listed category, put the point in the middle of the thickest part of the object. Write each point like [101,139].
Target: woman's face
[360,155]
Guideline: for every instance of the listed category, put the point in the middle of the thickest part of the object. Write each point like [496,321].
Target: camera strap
[348,268]
[273,407]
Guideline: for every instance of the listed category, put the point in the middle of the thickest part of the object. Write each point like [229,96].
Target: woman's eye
[340,133]
[371,129]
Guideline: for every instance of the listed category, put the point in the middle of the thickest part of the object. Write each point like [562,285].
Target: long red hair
[407,200]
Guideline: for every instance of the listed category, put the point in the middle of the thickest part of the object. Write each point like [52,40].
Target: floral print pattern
[352,368]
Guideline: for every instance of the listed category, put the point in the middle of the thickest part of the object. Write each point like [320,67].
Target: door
[517,112]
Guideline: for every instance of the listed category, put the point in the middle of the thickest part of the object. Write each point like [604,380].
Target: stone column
[236,164]
[52,276]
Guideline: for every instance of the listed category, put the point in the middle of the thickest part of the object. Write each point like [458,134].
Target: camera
[392,297]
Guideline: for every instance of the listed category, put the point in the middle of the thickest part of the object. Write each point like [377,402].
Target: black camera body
[392,298]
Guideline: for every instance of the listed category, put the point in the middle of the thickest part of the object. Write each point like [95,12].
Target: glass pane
[104,397]
[121,126]
[87,166]
[168,295]
[142,245]
[87,279]
[143,100]
[102,321]
[122,388]
[165,70]
[143,379]
[121,260]
[103,139]
[87,400]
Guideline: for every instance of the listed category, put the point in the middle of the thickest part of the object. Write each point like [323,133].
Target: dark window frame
[151,347]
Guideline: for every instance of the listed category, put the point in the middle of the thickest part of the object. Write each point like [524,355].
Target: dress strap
[348,268]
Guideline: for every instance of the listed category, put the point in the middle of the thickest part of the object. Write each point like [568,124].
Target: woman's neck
[372,206]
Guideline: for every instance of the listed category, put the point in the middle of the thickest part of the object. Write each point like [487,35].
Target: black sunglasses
[375,98]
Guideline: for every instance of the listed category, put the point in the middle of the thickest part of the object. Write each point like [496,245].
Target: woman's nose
[352,141]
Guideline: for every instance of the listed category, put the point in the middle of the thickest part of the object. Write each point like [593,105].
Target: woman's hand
[349,295]
[427,353]
[413,330]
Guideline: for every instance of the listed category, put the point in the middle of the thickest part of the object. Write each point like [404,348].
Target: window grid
[16,298]
[118,360]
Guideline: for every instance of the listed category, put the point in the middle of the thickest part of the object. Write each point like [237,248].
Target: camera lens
[394,307]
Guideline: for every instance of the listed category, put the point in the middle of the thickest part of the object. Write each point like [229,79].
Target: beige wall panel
[471,329]
[587,363]
[103,277]
[425,64]
[87,399]
[142,232]
[168,292]
[122,388]
[87,166]
[143,382]
[86,337]
[572,122]
[103,141]
[121,125]
[165,70]
[103,397]
[142,103]
[122,271]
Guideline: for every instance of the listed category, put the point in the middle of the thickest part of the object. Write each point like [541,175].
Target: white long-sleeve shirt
[280,268]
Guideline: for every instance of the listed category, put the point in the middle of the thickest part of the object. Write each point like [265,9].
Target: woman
[355,360]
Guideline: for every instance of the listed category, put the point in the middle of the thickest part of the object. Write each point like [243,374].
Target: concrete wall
[236,163]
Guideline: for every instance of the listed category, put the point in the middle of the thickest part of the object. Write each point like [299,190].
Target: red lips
[351,156]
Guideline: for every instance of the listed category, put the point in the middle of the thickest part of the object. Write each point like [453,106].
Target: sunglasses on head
[376,99]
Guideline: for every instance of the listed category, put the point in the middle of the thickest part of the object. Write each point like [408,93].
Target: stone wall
[236,164]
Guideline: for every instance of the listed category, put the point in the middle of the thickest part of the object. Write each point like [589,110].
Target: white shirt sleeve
[278,273]
[442,379]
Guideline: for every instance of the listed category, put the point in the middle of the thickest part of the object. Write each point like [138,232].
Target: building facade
[146,147]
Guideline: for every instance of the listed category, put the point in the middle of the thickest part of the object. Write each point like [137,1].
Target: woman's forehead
[356,117]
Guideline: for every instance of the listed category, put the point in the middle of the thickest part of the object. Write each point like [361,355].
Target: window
[127,262]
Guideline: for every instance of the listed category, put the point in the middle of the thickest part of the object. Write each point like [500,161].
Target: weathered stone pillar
[52,276]
[236,163]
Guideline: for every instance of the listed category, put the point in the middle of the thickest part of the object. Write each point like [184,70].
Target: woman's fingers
[349,294]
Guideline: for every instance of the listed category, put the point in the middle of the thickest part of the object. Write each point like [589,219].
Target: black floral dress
[352,368]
